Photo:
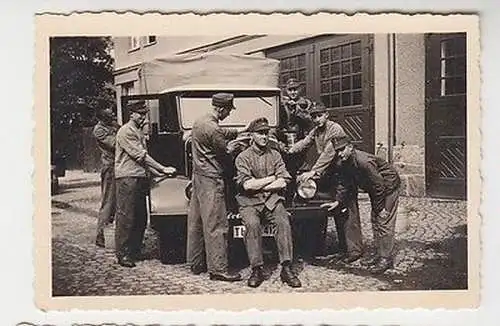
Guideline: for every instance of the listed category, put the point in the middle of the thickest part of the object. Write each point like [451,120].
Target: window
[293,67]
[127,88]
[453,66]
[340,75]
[134,43]
[151,39]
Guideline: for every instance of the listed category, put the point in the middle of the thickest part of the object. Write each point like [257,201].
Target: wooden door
[343,71]
[446,115]
[337,70]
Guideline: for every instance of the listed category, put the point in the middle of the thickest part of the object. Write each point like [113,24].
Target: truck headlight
[307,189]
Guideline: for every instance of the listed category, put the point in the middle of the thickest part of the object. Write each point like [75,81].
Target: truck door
[164,136]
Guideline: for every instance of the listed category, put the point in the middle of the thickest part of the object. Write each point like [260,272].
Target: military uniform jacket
[319,137]
[106,140]
[130,152]
[209,145]
[294,117]
[368,172]
[256,163]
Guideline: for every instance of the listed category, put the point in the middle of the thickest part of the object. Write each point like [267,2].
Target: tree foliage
[80,68]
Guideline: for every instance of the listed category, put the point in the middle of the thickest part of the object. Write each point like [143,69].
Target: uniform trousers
[207,225]
[131,215]
[348,225]
[253,218]
[383,225]
[108,198]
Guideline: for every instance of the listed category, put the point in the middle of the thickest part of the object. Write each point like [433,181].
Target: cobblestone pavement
[431,254]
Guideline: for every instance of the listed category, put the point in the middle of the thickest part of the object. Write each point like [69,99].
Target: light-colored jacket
[130,152]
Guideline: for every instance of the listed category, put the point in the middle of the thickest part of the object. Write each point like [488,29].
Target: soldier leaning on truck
[105,134]
[382,183]
[133,167]
[260,176]
[315,143]
[207,221]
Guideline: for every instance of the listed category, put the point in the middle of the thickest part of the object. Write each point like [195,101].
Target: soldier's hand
[169,170]
[330,206]
[233,146]
[305,176]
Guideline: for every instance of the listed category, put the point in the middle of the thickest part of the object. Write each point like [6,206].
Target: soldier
[132,168]
[105,134]
[261,176]
[296,109]
[207,221]
[315,143]
[382,183]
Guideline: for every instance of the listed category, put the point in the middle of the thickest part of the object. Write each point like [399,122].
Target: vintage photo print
[268,161]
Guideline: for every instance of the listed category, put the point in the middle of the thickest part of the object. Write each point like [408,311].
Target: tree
[81,68]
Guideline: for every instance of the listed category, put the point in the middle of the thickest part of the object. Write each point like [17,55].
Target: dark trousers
[383,226]
[131,216]
[207,225]
[348,225]
[253,218]
[108,197]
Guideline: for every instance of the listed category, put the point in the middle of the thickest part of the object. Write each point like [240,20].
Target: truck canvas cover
[161,74]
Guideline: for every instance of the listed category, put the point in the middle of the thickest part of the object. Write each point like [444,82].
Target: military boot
[256,278]
[289,278]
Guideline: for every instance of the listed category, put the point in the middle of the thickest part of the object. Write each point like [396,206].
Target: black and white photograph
[261,163]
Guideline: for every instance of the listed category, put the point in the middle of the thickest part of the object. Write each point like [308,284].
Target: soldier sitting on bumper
[261,176]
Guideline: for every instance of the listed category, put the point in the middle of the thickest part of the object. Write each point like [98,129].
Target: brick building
[402,96]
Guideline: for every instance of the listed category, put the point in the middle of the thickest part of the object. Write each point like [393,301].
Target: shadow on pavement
[448,271]
[74,209]
[84,183]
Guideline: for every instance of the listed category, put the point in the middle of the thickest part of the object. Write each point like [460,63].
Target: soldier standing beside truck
[207,221]
[132,168]
[105,134]
[295,114]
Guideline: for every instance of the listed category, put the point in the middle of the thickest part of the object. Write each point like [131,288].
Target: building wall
[165,45]
[409,132]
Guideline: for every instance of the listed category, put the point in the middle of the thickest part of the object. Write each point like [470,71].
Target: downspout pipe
[391,116]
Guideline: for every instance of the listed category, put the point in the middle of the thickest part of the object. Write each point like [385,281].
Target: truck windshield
[247,109]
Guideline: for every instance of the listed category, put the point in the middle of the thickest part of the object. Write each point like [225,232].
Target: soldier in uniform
[296,110]
[133,167]
[105,134]
[314,144]
[207,221]
[382,183]
[261,176]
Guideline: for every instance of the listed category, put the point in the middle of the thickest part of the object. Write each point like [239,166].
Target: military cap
[318,108]
[223,100]
[340,142]
[137,106]
[292,83]
[258,124]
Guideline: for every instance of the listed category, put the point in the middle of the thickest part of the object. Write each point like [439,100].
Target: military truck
[178,90]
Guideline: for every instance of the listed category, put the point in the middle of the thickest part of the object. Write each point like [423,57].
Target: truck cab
[172,114]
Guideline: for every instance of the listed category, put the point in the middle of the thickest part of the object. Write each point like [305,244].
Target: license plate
[268,230]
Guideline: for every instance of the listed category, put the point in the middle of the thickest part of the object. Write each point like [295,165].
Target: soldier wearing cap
[207,221]
[133,167]
[261,177]
[295,113]
[105,134]
[314,144]
[358,169]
